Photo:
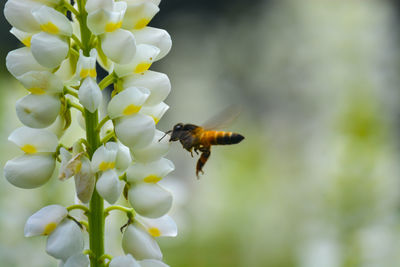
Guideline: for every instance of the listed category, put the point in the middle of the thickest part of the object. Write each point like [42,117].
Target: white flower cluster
[57,65]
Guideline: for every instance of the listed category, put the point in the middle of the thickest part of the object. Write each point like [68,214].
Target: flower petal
[20,61]
[150,200]
[19,14]
[104,158]
[139,14]
[163,226]
[90,95]
[154,151]
[124,261]
[77,260]
[86,66]
[157,82]
[38,111]
[109,186]
[127,102]
[135,131]
[48,49]
[52,21]
[40,82]
[119,46]
[151,172]
[84,181]
[32,141]
[30,171]
[23,37]
[65,241]
[93,5]
[45,220]
[152,263]
[156,111]
[104,20]
[140,244]
[156,37]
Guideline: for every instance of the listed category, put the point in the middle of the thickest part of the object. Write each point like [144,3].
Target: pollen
[49,228]
[112,26]
[50,27]
[37,90]
[27,41]
[142,67]
[156,120]
[141,24]
[29,149]
[131,109]
[153,231]
[152,179]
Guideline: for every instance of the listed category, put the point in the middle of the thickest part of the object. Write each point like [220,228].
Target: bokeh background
[316,181]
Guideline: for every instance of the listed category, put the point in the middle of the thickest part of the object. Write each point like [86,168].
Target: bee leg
[196,150]
[202,160]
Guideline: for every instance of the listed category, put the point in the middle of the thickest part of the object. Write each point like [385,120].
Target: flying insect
[201,138]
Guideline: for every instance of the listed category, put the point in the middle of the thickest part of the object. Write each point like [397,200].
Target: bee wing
[223,119]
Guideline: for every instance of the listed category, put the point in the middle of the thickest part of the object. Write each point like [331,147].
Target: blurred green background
[316,181]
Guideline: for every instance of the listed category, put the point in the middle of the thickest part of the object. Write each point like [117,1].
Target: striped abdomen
[220,138]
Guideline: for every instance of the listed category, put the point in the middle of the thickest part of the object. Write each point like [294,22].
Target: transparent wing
[223,119]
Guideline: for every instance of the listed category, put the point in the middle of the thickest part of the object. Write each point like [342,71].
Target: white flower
[104,157]
[19,14]
[135,131]
[106,19]
[156,111]
[38,111]
[65,241]
[158,84]
[93,5]
[127,102]
[141,62]
[150,199]
[156,37]
[48,49]
[139,14]
[24,37]
[152,263]
[140,244]
[151,172]
[44,221]
[119,46]
[20,61]
[163,226]
[90,94]
[30,170]
[77,260]
[124,261]
[109,186]
[41,82]
[52,21]
[154,151]
[32,141]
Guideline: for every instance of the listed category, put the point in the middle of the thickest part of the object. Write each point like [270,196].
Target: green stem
[70,91]
[80,207]
[102,122]
[96,205]
[68,6]
[109,79]
[107,137]
[129,211]
[77,41]
[75,105]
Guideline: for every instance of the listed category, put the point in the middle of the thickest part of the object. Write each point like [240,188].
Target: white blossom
[140,244]
[44,221]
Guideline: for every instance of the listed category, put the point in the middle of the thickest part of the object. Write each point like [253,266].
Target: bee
[201,138]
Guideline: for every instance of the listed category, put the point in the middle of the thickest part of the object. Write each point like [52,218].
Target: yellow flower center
[156,120]
[152,179]
[131,109]
[87,72]
[29,149]
[37,90]
[106,166]
[141,23]
[27,41]
[142,67]
[112,26]
[50,27]
[49,228]
[153,231]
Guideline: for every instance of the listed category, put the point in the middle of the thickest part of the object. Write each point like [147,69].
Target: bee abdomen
[227,138]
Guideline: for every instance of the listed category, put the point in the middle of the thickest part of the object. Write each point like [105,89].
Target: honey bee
[201,138]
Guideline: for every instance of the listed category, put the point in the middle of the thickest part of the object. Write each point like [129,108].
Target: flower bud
[48,49]
[30,171]
[157,82]
[150,200]
[90,94]
[135,131]
[65,241]
[124,261]
[127,102]
[38,111]
[140,244]
[45,220]
[86,66]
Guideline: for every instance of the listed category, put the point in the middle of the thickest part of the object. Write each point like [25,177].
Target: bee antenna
[167,132]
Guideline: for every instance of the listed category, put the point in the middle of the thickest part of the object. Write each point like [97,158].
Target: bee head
[175,132]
